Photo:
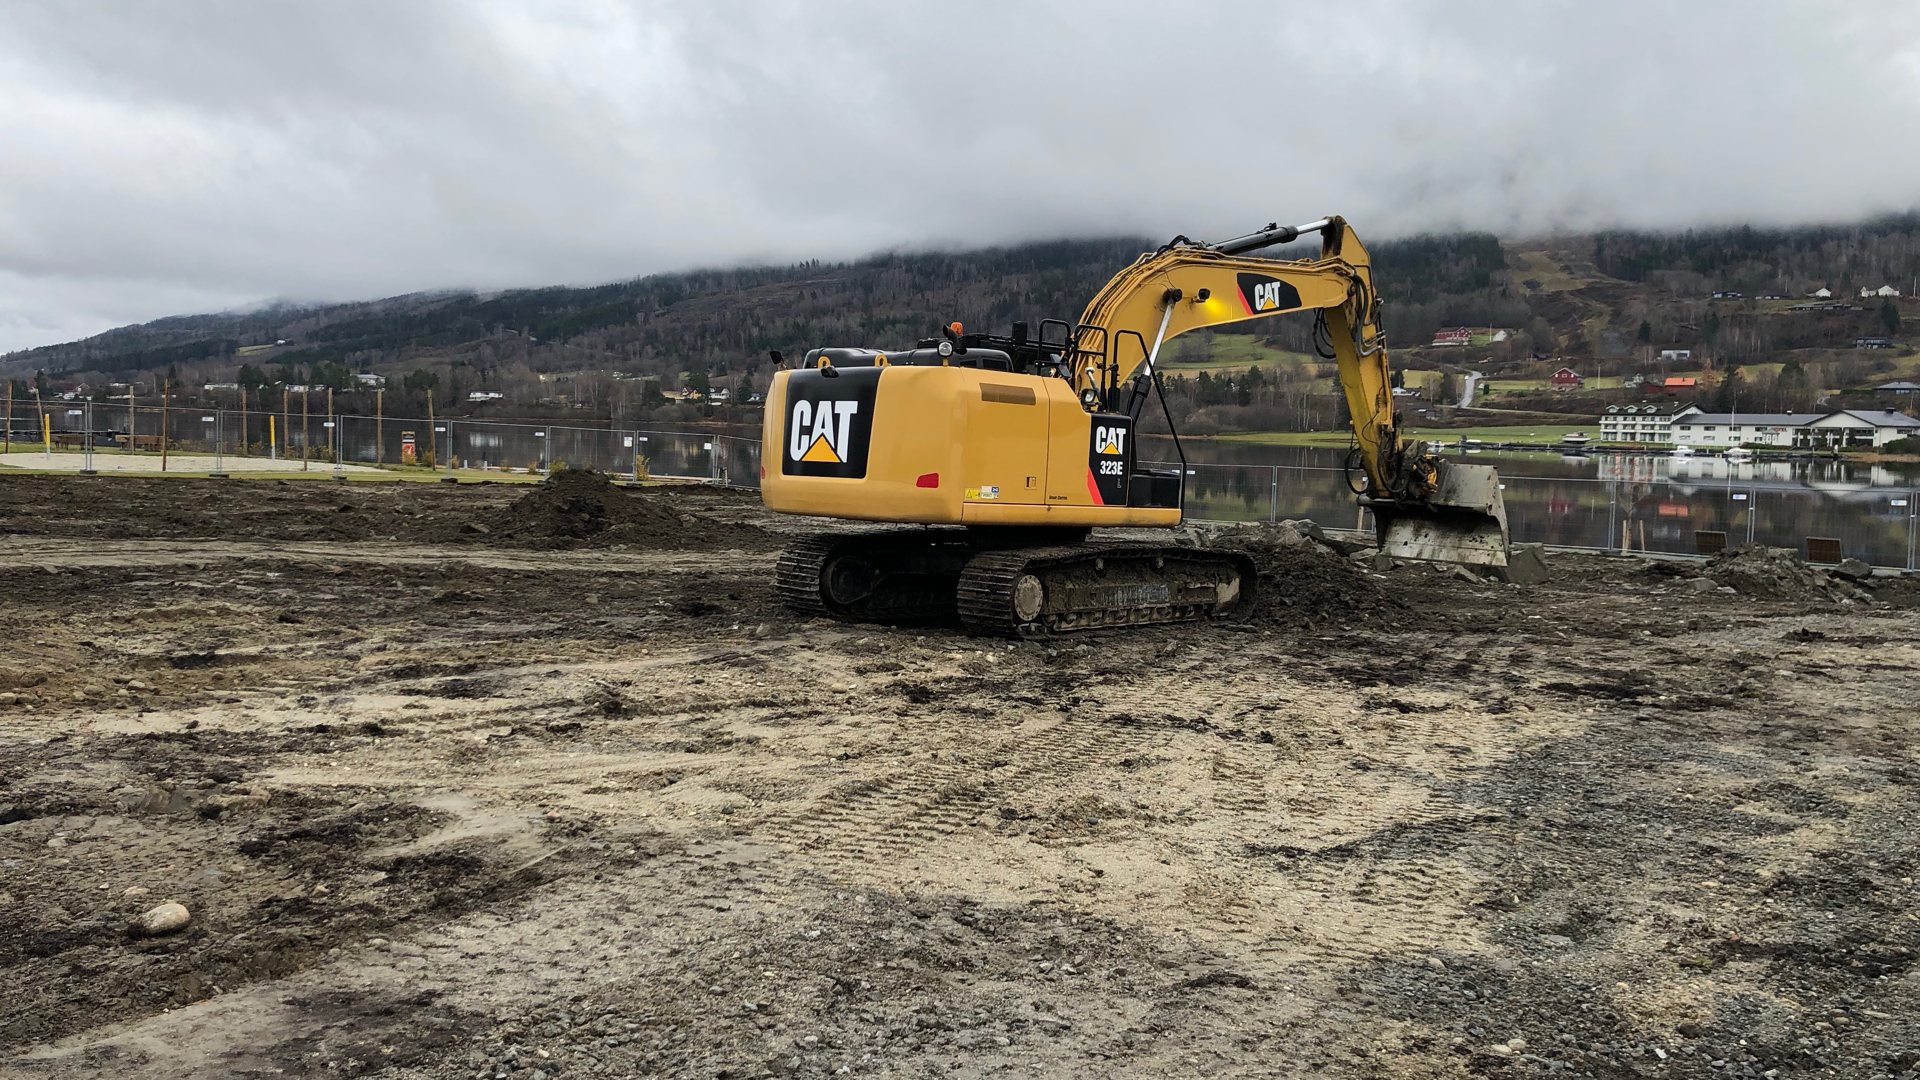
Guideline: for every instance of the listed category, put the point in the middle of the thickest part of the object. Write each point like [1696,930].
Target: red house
[1566,379]
[1454,337]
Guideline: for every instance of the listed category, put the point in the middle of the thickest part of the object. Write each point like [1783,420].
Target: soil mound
[582,508]
[1305,580]
[1776,574]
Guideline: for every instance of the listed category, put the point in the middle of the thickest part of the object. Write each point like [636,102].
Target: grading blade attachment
[1465,522]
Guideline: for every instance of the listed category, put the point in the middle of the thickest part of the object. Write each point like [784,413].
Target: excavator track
[1034,592]
[883,575]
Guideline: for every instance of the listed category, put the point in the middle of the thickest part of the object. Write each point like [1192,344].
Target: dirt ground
[452,794]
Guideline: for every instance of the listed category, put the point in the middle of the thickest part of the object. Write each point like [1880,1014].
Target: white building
[1691,427]
[1676,354]
[367,378]
[1858,427]
[1819,431]
[484,395]
[1822,293]
[1647,422]
[1884,290]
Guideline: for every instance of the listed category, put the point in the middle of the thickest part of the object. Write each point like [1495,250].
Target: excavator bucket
[1465,522]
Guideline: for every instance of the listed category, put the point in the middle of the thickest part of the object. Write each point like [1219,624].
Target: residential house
[1884,290]
[1822,293]
[1453,337]
[484,395]
[1872,343]
[1676,356]
[370,380]
[1673,384]
[1566,379]
[1897,388]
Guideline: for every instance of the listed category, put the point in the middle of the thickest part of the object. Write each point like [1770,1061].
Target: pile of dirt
[1769,573]
[583,508]
[1305,577]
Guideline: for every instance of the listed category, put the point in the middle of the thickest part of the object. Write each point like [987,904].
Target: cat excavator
[1008,450]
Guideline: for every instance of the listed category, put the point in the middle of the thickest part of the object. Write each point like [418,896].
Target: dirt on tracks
[460,809]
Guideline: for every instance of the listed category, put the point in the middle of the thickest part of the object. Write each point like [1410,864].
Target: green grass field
[1529,433]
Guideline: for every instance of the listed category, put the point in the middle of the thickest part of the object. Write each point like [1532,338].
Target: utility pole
[9,436]
[128,448]
[379,435]
[243,420]
[306,425]
[286,428]
[433,439]
[332,429]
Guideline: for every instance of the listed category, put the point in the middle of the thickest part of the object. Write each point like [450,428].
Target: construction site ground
[454,789]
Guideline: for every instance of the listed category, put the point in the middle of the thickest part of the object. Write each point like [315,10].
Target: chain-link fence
[1635,511]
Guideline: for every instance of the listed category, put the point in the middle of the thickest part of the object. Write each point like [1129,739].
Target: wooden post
[379,437]
[129,447]
[46,433]
[433,438]
[333,428]
[286,424]
[166,388]
[9,436]
[243,421]
[306,426]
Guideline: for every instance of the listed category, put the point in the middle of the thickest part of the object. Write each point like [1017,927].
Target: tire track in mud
[866,822]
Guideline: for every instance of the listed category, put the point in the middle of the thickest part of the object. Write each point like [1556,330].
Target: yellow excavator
[1010,450]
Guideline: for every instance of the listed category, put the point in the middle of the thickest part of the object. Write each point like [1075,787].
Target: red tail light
[930,479]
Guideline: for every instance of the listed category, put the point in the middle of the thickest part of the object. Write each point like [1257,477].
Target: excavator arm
[1424,507]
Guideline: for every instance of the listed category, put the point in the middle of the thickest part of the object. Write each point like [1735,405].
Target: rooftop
[1792,419]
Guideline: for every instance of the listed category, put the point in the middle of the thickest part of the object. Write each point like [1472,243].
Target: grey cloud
[205,153]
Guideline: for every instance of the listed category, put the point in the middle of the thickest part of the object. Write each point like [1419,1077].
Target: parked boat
[1575,438]
[1683,451]
[1738,453]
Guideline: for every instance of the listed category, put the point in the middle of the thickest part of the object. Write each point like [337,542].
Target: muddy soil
[478,808]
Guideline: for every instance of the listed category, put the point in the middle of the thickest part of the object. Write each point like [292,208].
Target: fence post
[1913,529]
[1753,511]
[1273,506]
[1613,514]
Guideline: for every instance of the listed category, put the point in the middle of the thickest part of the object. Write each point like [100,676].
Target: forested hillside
[1606,304]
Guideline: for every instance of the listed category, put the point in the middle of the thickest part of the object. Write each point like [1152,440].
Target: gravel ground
[445,803]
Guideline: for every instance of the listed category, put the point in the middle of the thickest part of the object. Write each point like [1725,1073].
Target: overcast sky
[170,156]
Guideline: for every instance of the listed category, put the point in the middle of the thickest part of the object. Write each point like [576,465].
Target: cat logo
[819,431]
[1261,294]
[829,423]
[1109,441]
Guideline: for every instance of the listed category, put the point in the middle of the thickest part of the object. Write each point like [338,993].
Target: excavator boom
[1424,507]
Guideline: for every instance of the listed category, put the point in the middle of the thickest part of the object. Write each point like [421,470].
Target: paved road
[1473,384]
